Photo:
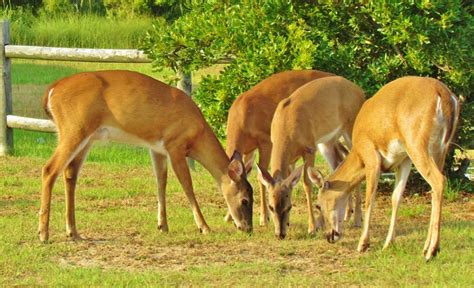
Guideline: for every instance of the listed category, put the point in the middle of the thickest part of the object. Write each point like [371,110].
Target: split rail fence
[8,121]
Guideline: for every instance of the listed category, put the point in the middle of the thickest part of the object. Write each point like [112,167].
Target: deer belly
[393,155]
[107,133]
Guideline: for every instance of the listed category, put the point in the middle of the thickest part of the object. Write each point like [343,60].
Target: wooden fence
[8,121]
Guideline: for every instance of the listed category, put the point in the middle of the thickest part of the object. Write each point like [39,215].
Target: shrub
[369,42]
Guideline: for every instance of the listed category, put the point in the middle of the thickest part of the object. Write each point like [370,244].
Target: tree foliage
[369,42]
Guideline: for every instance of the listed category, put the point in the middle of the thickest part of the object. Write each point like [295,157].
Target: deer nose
[280,236]
[333,236]
[245,227]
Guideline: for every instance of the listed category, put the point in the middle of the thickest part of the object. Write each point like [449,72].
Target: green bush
[369,42]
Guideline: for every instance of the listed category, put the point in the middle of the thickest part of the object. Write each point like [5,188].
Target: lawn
[116,214]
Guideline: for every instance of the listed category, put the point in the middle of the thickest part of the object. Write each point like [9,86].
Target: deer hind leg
[401,178]
[66,150]
[372,171]
[181,169]
[160,169]
[71,174]
[430,168]
[308,189]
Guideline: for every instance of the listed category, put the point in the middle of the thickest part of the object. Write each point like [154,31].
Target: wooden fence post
[185,83]
[6,133]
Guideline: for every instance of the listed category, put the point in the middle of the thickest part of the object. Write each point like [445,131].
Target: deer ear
[316,177]
[249,163]
[310,150]
[294,177]
[235,170]
[264,177]
[236,156]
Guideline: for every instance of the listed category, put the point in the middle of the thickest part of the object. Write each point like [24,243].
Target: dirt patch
[136,256]
[130,251]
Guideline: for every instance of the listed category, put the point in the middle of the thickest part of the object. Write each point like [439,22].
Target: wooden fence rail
[9,121]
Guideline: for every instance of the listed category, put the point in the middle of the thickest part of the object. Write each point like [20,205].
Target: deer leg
[429,169]
[160,169]
[66,150]
[264,152]
[330,153]
[181,169]
[372,171]
[71,174]
[401,178]
[357,207]
[308,189]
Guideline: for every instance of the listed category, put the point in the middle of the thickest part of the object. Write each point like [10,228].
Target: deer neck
[349,174]
[281,159]
[208,151]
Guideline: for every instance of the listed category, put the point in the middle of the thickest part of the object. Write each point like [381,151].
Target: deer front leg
[372,171]
[349,209]
[401,178]
[358,207]
[264,152]
[181,169]
[308,189]
[161,173]
[71,174]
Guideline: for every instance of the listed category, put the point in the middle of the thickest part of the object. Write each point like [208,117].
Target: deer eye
[271,208]
[245,202]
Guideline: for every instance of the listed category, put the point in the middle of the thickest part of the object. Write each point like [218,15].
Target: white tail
[134,108]
[315,115]
[250,117]
[411,119]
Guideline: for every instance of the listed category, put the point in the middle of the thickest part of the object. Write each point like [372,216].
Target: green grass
[116,212]
[86,31]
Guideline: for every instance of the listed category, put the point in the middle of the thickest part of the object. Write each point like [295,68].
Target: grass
[116,213]
[95,31]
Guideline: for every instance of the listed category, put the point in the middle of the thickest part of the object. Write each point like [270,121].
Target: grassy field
[116,213]
[62,31]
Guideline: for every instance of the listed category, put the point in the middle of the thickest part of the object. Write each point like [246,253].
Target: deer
[409,120]
[133,108]
[315,115]
[250,117]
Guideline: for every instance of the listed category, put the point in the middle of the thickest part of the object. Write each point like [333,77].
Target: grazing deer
[250,118]
[130,107]
[411,119]
[315,115]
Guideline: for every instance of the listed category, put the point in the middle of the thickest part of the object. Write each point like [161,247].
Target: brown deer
[411,119]
[131,107]
[315,115]
[250,117]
